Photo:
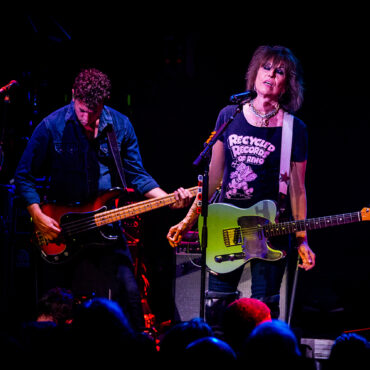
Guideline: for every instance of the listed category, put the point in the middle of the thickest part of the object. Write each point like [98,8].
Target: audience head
[210,351]
[102,332]
[241,317]
[179,336]
[349,350]
[57,306]
[102,315]
[270,344]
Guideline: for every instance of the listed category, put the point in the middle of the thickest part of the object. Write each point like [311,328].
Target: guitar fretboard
[289,227]
[131,210]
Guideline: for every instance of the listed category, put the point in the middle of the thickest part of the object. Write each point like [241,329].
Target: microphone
[247,95]
[8,86]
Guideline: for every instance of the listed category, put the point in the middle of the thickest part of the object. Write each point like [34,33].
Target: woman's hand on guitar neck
[48,227]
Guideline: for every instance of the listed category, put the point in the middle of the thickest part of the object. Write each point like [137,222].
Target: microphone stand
[204,159]
[2,130]
[4,90]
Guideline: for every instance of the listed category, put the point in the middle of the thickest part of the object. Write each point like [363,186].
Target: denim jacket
[76,168]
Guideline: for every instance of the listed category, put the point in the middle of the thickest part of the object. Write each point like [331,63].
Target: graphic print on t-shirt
[245,151]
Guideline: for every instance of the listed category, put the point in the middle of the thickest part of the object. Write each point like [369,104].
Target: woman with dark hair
[292,98]
[246,163]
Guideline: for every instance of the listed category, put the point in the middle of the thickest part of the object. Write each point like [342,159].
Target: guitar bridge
[232,237]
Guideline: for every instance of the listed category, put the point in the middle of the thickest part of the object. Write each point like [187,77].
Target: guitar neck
[290,227]
[114,215]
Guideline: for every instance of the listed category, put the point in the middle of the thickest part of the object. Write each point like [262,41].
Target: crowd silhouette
[97,331]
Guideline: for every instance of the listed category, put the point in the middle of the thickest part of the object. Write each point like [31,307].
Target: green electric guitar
[236,235]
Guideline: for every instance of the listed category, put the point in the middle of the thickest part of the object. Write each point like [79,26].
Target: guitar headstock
[365,214]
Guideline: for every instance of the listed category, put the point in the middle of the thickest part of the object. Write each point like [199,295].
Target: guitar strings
[298,225]
[97,220]
[89,223]
[94,221]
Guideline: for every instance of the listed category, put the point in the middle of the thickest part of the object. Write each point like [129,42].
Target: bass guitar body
[78,227]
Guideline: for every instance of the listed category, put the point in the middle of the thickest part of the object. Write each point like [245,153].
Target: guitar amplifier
[187,286]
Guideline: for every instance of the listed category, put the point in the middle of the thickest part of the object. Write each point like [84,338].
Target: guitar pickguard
[78,230]
[234,236]
[255,244]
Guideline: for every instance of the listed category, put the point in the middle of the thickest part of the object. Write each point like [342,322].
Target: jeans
[265,286]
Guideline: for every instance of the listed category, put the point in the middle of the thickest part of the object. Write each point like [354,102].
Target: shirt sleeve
[224,114]
[31,165]
[135,172]
[300,141]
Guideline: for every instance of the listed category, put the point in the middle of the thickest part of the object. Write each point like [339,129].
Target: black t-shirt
[252,158]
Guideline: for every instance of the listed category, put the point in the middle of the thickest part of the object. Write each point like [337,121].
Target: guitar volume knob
[218,259]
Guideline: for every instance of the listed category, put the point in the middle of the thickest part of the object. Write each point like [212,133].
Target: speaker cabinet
[188,284]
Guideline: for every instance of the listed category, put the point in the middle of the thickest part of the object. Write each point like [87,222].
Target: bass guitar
[236,235]
[82,225]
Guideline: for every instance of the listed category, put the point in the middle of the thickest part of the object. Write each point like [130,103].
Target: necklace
[265,117]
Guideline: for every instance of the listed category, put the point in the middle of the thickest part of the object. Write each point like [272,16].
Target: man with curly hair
[70,149]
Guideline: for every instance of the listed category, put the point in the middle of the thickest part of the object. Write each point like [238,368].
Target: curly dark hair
[92,87]
[292,99]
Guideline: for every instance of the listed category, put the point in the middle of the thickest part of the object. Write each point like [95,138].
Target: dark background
[171,75]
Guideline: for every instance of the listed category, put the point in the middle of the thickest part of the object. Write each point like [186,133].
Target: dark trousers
[98,272]
[266,282]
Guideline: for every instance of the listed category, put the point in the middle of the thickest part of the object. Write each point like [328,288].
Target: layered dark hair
[92,87]
[292,98]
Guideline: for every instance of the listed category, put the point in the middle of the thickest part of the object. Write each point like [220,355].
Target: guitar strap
[285,159]
[112,140]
